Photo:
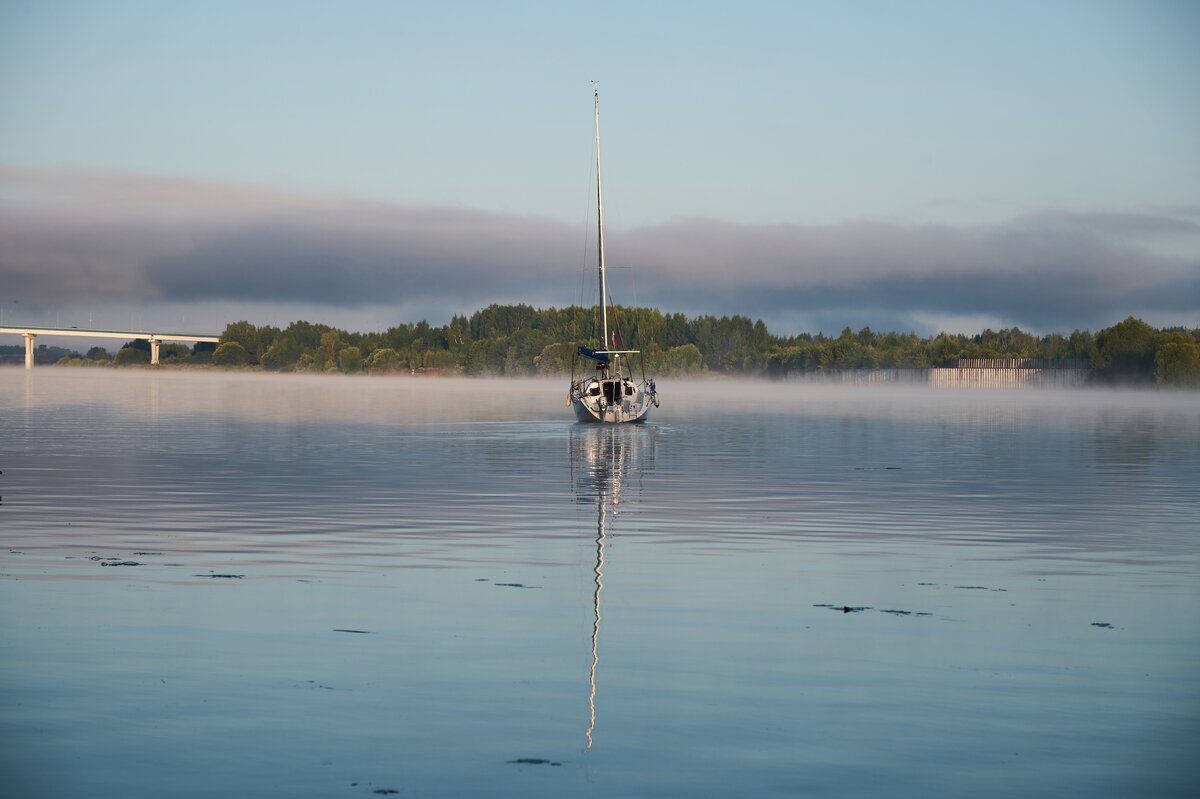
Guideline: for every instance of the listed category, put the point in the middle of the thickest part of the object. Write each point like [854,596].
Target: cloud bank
[75,238]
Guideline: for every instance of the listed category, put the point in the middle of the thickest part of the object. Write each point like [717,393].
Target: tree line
[520,340]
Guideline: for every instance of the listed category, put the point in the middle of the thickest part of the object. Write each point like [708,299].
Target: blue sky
[813,164]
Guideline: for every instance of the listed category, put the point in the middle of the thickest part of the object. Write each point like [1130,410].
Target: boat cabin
[614,390]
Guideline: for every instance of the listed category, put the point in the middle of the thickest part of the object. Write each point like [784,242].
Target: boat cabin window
[612,391]
[629,389]
[594,391]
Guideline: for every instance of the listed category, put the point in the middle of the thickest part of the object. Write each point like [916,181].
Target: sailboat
[610,394]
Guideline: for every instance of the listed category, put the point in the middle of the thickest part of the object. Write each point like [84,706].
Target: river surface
[218,585]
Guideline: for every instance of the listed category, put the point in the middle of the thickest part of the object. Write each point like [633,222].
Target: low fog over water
[406,400]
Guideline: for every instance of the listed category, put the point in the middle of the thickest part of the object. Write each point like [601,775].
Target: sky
[930,165]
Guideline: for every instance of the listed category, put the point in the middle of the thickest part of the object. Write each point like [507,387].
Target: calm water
[447,588]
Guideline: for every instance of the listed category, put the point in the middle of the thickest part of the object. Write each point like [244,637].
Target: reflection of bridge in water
[155,339]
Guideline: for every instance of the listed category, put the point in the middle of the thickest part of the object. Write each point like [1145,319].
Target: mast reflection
[606,459]
[596,624]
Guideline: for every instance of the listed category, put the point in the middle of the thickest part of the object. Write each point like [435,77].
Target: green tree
[495,321]
[442,359]
[350,360]
[129,355]
[174,352]
[946,349]
[202,351]
[138,344]
[331,342]
[231,353]
[458,332]
[244,334]
[683,360]
[1053,345]
[306,334]
[384,359]
[1177,362]
[555,359]
[283,353]
[265,338]
[1125,353]
[97,354]
[1082,344]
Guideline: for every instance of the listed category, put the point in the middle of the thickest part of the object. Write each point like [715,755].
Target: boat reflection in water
[606,460]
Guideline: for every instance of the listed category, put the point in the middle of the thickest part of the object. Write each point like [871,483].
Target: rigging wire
[584,267]
[618,334]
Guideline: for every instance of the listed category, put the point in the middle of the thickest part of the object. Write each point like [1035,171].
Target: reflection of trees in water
[604,460]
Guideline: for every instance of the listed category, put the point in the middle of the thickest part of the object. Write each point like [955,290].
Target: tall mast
[600,222]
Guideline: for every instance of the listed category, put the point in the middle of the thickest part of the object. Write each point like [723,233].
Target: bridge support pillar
[29,339]
[154,351]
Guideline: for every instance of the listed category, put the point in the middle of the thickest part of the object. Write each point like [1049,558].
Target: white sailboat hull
[611,401]
[620,415]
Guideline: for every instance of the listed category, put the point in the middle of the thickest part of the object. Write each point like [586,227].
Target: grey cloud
[72,237]
[342,263]
[1040,271]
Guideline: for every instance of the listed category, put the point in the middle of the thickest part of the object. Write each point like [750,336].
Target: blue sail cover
[598,357]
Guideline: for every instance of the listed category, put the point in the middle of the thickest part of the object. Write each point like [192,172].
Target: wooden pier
[973,373]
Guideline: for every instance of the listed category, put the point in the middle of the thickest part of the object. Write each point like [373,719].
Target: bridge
[155,339]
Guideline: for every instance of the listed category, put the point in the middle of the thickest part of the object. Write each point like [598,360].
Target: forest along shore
[519,340]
